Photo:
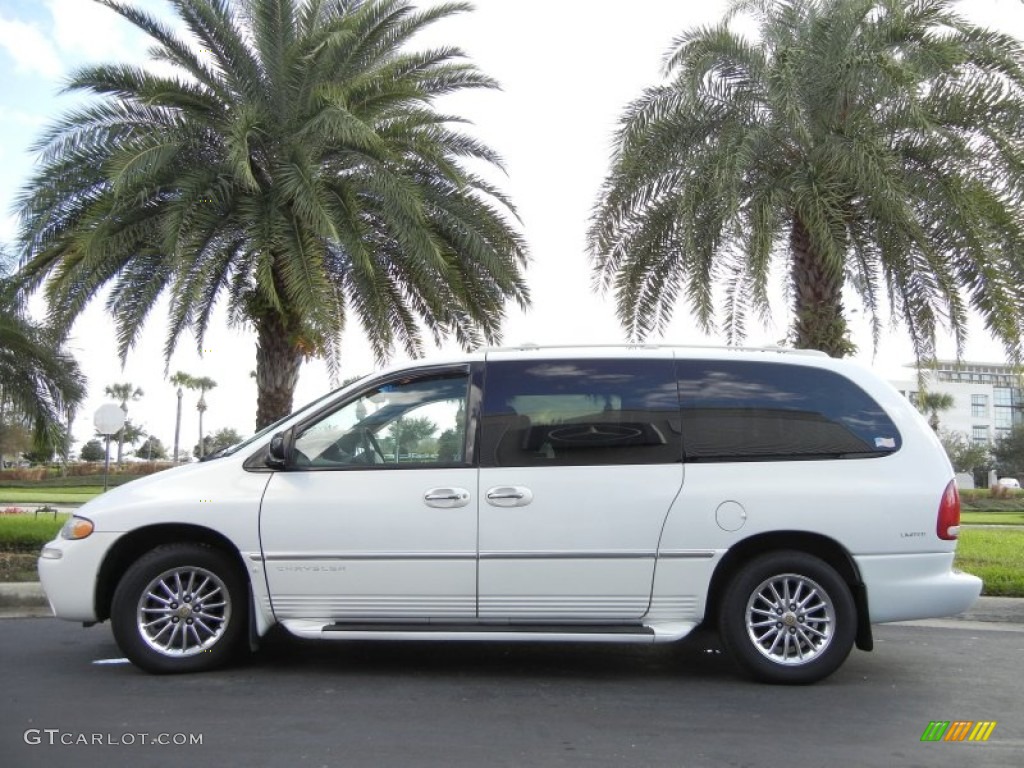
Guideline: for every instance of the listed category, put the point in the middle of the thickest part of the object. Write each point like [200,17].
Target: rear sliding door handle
[446,498]
[509,496]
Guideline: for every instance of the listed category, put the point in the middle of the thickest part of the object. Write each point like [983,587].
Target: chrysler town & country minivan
[787,499]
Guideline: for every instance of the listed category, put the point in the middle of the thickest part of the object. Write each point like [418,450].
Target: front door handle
[446,498]
[509,496]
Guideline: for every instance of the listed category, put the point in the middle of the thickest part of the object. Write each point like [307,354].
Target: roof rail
[532,347]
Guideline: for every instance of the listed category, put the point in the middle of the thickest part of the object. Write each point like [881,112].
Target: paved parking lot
[419,704]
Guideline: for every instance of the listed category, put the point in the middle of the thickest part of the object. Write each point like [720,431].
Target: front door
[376,516]
[580,463]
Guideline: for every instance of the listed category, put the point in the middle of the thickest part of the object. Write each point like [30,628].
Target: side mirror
[279,450]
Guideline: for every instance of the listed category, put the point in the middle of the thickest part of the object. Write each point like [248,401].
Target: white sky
[567,68]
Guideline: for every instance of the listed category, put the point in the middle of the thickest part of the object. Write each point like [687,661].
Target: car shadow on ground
[698,656]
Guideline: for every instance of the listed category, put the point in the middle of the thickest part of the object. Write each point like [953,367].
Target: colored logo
[958,730]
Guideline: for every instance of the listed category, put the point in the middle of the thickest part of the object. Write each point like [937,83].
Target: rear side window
[580,412]
[733,411]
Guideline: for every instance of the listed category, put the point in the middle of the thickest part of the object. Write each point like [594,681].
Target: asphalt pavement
[68,699]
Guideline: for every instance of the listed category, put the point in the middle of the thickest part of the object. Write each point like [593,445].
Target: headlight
[76,528]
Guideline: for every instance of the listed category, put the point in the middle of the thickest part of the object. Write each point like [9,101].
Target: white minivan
[545,494]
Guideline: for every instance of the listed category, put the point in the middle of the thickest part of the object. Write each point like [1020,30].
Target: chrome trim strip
[687,554]
[275,556]
[700,554]
[567,555]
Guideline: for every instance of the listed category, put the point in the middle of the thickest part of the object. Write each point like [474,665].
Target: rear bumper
[922,586]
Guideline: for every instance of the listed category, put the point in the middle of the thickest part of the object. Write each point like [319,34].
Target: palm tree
[872,146]
[203,384]
[932,404]
[296,169]
[123,393]
[180,380]
[40,382]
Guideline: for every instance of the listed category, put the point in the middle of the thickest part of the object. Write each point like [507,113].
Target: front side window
[580,412]
[734,411]
[405,423]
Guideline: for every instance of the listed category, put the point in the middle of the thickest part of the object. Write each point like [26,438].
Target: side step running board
[503,633]
[533,629]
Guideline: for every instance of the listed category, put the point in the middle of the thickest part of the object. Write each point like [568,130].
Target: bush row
[50,477]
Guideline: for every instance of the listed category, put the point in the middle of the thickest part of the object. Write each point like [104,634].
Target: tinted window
[580,412]
[739,410]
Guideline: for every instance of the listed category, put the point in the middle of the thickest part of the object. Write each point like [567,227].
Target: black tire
[177,590]
[812,635]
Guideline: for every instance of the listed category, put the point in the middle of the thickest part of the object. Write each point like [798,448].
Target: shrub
[24,473]
[999,492]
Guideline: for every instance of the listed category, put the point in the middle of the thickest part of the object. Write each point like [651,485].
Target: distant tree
[40,383]
[964,454]
[48,452]
[404,435]
[1008,453]
[92,451]
[449,446]
[15,438]
[130,433]
[123,393]
[180,380]
[152,449]
[932,404]
[203,384]
[218,441]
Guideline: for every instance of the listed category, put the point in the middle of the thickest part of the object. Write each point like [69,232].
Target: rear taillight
[948,526]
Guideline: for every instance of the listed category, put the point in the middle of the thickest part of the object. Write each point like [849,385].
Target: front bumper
[919,586]
[68,571]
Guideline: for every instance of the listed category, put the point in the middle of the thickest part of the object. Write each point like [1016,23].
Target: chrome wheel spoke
[790,619]
[202,625]
[183,611]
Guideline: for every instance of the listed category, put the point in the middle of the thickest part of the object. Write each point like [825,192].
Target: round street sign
[109,418]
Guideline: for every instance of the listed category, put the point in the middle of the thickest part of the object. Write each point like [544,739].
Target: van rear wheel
[180,608]
[788,617]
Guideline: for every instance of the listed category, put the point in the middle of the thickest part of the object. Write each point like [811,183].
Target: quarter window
[735,411]
[580,412]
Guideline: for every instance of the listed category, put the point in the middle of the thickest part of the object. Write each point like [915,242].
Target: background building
[988,398]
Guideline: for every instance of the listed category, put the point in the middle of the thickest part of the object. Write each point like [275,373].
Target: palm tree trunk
[818,321]
[177,427]
[277,369]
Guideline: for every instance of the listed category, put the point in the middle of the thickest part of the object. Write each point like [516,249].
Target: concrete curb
[27,599]
[25,594]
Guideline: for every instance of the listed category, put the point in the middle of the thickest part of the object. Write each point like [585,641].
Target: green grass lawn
[997,556]
[71,495]
[992,518]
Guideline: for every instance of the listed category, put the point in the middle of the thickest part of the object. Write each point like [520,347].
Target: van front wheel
[788,617]
[179,608]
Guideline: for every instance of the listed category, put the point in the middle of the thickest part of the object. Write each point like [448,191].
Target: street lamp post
[108,419]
